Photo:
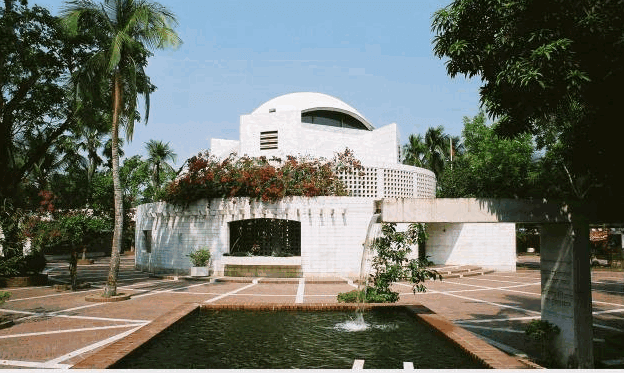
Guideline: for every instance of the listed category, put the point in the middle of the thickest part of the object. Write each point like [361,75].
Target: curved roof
[309,101]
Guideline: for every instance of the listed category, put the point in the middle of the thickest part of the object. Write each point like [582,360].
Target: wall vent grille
[268,140]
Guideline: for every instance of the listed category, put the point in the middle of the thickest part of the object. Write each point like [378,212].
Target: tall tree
[551,68]
[129,29]
[548,67]
[37,101]
[158,153]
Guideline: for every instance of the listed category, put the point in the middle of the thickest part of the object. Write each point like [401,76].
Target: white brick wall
[333,230]
[489,245]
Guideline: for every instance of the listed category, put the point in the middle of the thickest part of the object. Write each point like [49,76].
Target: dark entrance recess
[265,237]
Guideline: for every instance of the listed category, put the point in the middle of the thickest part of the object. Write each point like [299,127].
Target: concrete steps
[461,271]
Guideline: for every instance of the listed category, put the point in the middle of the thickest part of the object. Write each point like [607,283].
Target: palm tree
[431,152]
[158,154]
[414,151]
[127,29]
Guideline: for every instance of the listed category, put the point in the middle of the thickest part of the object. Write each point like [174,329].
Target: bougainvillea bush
[267,179]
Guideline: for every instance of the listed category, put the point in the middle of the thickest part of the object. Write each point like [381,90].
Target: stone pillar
[566,291]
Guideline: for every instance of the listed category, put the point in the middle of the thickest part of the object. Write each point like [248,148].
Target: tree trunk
[73,267]
[111,284]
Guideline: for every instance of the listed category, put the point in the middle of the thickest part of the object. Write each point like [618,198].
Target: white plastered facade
[333,229]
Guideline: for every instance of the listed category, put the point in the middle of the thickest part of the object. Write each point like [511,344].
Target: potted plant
[201,262]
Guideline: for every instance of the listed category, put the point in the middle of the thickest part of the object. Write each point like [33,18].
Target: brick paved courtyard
[56,329]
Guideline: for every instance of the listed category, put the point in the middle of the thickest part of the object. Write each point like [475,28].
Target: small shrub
[34,263]
[371,295]
[544,332]
[20,265]
[200,258]
[4,295]
[353,296]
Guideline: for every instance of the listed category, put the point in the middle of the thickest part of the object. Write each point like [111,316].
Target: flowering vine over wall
[267,179]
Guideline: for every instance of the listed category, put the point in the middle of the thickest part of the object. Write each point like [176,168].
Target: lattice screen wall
[388,182]
[362,183]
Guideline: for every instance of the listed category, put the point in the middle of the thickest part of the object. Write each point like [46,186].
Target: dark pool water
[307,340]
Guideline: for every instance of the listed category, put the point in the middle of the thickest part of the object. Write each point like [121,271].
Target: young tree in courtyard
[130,28]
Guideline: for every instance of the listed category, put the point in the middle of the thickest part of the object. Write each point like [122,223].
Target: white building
[320,236]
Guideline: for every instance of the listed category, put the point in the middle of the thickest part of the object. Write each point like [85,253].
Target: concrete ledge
[114,352]
[100,298]
[478,349]
[262,270]
[24,281]
[472,210]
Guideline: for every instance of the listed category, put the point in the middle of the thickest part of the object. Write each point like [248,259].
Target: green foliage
[158,154]
[127,31]
[200,257]
[70,229]
[20,265]
[490,166]
[4,295]
[542,330]
[38,103]
[391,264]
[369,295]
[433,151]
[269,180]
[549,68]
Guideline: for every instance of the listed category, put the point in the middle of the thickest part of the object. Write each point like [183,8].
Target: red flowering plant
[260,178]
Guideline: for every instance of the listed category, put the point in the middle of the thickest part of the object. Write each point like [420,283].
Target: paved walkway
[56,329]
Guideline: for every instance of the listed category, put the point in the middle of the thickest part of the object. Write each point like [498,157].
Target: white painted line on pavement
[492,280]
[253,283]
[51,295]
[499,319]
[103,319]
[33,364]
[151,292]
[618,310]
[55,313]
[68,331]
[300,291]
[518,276]
[490,328]
[50,363]
[608,303]
[491,303]
[606,283]
[608,328]
[17,311]
[471,285]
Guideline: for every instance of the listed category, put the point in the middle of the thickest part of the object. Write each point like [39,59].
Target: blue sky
[376,56]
